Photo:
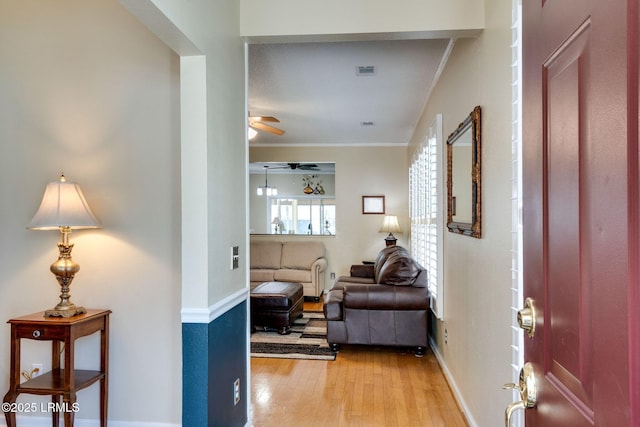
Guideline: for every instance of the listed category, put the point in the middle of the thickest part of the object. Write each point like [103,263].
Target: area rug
[307,340]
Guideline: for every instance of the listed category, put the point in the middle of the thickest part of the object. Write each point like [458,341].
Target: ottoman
[276,304]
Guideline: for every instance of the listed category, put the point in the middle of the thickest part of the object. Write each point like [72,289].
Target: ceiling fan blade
[266,128]
[303,166]
[263,119]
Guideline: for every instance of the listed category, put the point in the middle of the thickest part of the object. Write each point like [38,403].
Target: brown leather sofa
[384,303]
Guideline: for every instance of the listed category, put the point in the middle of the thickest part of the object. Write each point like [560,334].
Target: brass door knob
[528,392]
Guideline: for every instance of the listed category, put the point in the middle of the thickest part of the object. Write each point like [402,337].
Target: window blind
[426,209]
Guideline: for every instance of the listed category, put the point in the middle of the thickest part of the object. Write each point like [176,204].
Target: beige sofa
[301,262]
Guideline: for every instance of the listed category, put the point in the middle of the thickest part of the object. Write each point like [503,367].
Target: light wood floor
[364,386]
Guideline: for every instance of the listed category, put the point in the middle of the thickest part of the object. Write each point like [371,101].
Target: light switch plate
[235,257]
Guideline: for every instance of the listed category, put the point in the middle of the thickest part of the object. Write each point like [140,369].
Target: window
[426,188]
[303,215]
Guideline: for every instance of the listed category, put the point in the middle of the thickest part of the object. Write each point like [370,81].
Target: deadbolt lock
[527,318]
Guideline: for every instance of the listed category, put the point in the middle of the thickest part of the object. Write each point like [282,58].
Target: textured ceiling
[314,90]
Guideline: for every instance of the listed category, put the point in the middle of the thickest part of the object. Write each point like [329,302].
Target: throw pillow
[399,270]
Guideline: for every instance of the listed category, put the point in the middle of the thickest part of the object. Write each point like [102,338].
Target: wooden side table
[61,382]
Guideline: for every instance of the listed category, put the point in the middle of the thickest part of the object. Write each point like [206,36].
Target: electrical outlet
[333,276]
[236,391]
[36,370]
[446,336]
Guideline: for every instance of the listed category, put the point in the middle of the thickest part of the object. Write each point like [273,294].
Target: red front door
[580,210]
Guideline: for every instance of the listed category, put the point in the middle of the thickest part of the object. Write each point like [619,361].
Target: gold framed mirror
[463,177]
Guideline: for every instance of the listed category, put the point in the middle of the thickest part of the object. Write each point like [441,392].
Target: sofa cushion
[399,269]
[292,275]
[300,255]
[266,255]
[262,275]
[348,279]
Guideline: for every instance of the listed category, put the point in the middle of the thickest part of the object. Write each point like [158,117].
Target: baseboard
[79,422]
[452,384]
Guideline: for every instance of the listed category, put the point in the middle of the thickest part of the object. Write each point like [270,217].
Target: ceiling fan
[298,166]
[258,123]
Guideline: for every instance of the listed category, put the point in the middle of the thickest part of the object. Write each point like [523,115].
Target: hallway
[364,386]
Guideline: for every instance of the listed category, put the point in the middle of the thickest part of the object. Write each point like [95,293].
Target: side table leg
[68,401]
[104,367]
[103,402]
[10,416]
[55,415]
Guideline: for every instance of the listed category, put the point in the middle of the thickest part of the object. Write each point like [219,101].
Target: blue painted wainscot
[214,355]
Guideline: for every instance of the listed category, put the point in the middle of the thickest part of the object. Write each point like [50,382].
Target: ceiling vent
[365,70]
[367,123]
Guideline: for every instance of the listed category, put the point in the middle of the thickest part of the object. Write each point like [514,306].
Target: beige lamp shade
[63,205]
[390,224]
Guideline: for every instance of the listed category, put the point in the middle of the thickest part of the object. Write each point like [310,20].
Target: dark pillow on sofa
[382,257]
[399,269]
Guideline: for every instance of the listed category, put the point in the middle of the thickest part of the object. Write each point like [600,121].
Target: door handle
[528,392]
[510,410]
[527,317]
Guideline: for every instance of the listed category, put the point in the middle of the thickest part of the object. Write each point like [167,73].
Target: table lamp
[64,207]
[390,225]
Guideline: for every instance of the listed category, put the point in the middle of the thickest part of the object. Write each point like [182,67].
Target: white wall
[477,271]
[213,27]
[360,171]
[363,17]
[86,89]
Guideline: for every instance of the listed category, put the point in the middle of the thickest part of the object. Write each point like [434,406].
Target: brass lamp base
[390,240]
[64,269]
[71,311]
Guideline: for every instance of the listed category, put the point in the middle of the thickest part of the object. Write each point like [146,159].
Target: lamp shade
[390,224]
[63,205]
